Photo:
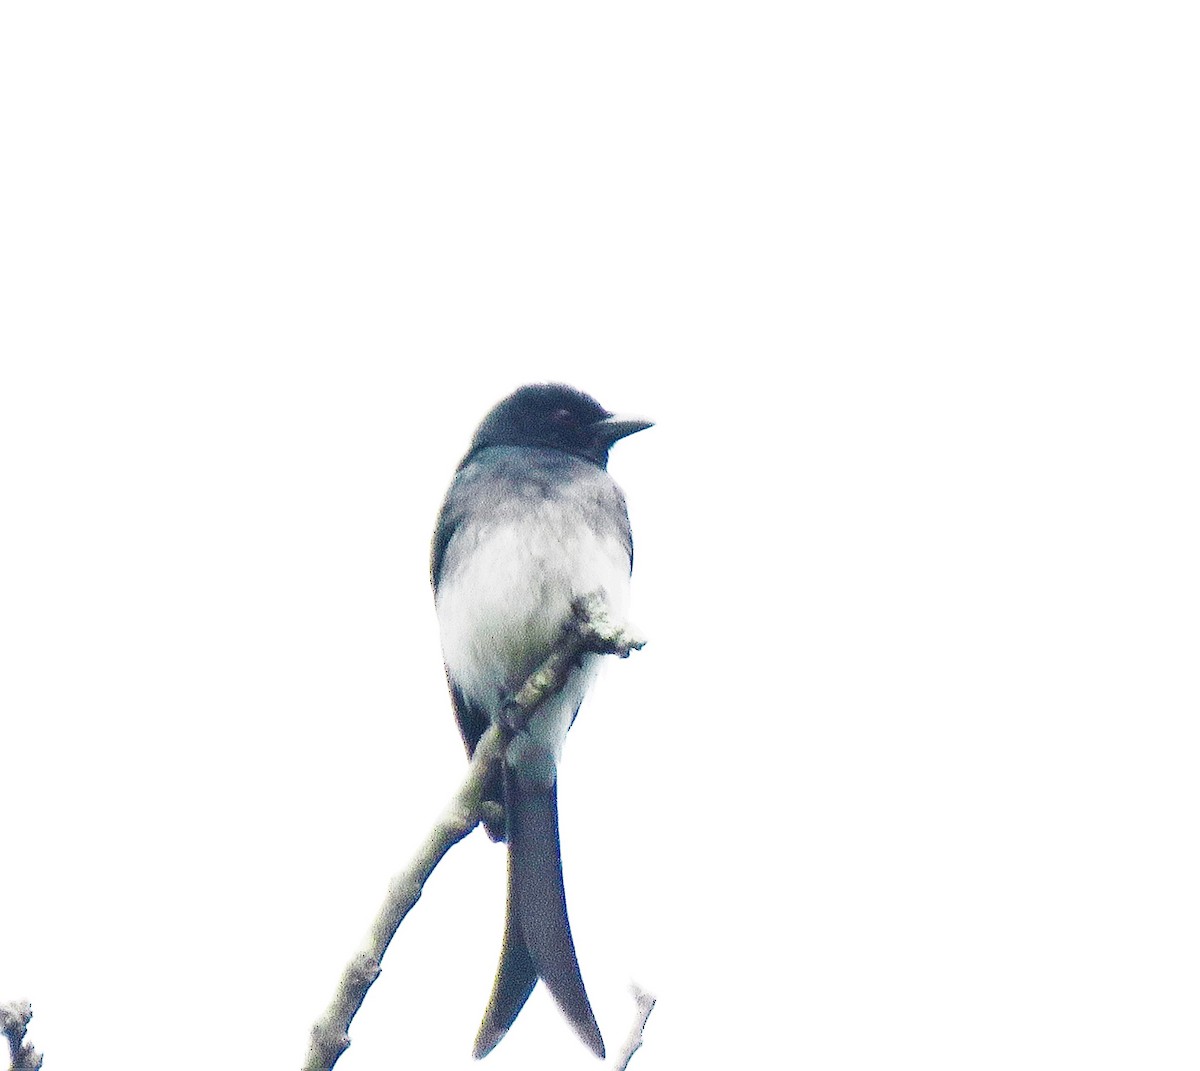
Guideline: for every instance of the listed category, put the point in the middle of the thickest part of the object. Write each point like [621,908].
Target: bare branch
[461,815]
[14,1021]
[589,630]
[645,1005]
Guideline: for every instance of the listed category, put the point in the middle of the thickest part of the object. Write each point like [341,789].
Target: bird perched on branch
[532,522]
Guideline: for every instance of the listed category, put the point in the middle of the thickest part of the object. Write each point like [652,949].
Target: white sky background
[907,775]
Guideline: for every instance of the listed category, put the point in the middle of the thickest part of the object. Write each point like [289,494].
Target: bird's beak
[612,428]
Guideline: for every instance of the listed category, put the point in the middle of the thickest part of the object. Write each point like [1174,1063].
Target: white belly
[505,594]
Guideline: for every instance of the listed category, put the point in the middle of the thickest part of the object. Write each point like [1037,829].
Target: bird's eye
[564,418]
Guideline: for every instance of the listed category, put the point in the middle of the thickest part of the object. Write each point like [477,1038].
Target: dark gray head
[558,417]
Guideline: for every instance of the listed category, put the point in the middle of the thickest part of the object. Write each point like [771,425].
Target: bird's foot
[515,711]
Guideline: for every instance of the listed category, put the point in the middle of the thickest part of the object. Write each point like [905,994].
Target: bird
[531,522]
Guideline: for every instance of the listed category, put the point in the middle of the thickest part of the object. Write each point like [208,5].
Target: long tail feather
[537,933]
[515,980]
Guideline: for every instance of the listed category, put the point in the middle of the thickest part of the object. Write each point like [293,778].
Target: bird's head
[558,417]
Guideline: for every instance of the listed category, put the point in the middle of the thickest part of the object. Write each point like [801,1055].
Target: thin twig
[589,629]
[329,1035]
[645,1005]
[14,1021]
